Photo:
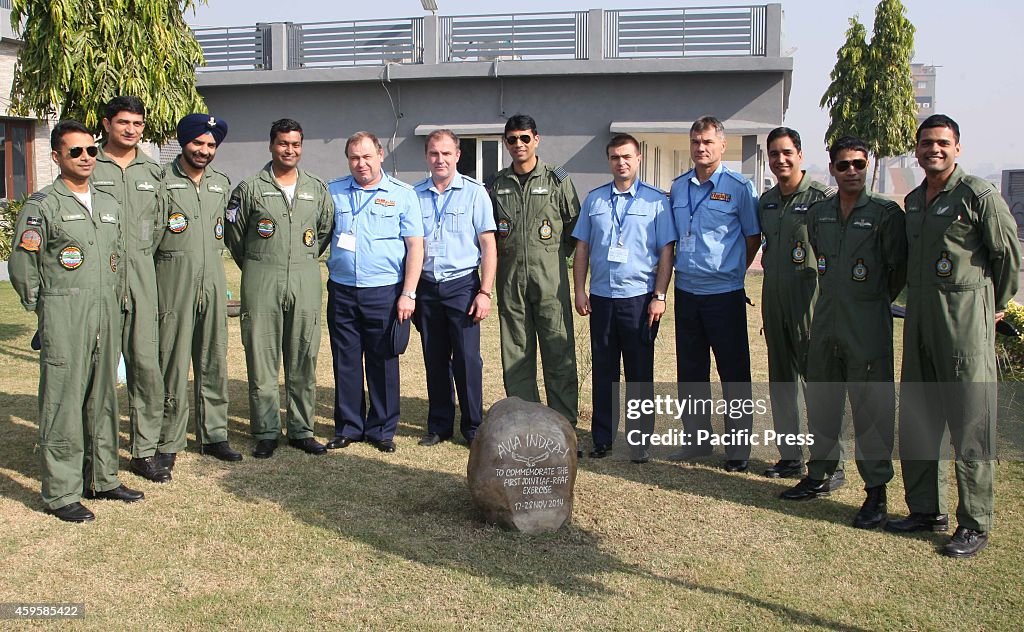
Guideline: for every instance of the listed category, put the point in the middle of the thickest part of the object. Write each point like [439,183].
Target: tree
[891,109]
[844,97]
[78,54]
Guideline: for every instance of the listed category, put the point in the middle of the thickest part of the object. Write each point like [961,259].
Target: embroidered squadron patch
[860,271]
[822,264]
[308,238]
[177,223]
[545,230]
[265,228]
[71,257]
[799,253]
[30,240]
[504,228]
[113,262]
[718,196]
[218,228]
[944,266]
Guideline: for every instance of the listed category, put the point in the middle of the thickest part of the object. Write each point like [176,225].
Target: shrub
[1010,351]
[9,210]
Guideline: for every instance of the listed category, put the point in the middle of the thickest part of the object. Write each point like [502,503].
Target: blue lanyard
[439,213]
[352,201]
[693,209]
[620,219]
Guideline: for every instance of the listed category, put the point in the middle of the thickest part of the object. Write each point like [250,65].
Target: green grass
[357,539]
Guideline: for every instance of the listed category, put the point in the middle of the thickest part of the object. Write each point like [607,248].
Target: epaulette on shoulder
[738,177]
[645,185]
[489,180]
[38,196]
[400,184]
[560,173]
[597,188]
[220,173]
[419,184]
[891,205]
[981,187]
[242,188]
[472,179]
[338,179]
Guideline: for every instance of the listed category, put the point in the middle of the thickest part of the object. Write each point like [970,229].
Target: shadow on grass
[11,331]
[17,448]
[427,517]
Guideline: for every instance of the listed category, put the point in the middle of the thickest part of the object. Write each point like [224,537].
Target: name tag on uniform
[271,194]
[304,196]
[689,243]
[347,241]
[618,254]
[436,248]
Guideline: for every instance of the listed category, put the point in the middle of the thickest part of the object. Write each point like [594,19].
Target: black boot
[874,510]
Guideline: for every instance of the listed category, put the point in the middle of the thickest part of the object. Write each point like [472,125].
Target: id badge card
[690,243]
[347,241]
[437,248]
[618,254]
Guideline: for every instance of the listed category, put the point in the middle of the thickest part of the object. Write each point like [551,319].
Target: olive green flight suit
[964,266]
[276,243]
[535,223]
[862,267]
[788,292]
[192,305]
[135,189]
[64,266]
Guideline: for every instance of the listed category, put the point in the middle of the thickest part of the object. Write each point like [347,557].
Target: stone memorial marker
[522,467]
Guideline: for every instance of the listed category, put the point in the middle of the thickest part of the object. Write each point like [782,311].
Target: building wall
[573,114]
[44,169]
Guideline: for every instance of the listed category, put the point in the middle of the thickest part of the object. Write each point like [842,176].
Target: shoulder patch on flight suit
[822,264]
[265,228]
[231,212]
[944,265]
[33,221]
[38,196]
[860,271]
[308,238]
[177,223]
[71,257]
[504,228]
[560,174]
[30,240]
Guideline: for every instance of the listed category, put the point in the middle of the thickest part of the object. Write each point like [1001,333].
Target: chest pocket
[715,217]
[382,221]
[73,228]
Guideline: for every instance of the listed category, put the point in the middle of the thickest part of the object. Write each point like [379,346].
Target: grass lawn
[359,539]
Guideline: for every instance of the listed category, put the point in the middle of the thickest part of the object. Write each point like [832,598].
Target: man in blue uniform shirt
[453,297]
[625,235]
[715,212]
[374,266]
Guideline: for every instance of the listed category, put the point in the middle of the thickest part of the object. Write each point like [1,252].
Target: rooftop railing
[747,30]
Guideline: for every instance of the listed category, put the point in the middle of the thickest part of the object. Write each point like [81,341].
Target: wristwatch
[410,295]
[660,297]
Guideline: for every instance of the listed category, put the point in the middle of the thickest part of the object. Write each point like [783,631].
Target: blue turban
[195,125]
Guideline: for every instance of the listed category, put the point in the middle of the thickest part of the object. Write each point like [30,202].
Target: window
[481,157]
[921,85]
[16,158]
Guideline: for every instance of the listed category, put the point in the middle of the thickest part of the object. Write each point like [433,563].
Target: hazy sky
[979,50]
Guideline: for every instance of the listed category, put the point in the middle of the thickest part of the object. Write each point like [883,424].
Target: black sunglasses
[75,152]
[526,138]
[857,164]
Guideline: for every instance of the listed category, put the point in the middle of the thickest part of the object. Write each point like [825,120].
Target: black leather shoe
[120,492]
[688,452]
[220,450]
[965,543]
[937,523]
[874,510]
[150,469]
[309,445]
[432,438]
[383,446]
[837,480]
[265,448]
[75,512]
[340,442]
[806,489]
[785,469]
[600,451]
[166,459]
[736,465]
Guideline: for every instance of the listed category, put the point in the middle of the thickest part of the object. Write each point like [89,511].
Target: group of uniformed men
[120,242]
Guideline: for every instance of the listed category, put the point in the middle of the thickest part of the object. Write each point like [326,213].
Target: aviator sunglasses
[526,138]
[857,164]
[75,152]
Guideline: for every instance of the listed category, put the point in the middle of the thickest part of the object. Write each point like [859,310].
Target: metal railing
[235,47]
[735,30]
[358,42]
[534,36]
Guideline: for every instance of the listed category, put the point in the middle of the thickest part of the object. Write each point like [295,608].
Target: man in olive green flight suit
[277,223]
[535,209]
[64,266]
[132,177]
[789,291]
[860,247]
[191,291]
[964,267]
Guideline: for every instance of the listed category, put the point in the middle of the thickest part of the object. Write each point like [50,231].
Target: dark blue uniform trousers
[451,351]
[714,322]
[618,329]
[359,319]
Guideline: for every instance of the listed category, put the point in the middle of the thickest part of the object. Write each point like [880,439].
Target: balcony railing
[748,30]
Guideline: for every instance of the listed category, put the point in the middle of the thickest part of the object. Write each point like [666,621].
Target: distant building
[1013,192]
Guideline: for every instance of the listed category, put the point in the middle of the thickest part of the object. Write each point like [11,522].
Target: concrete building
[582,75]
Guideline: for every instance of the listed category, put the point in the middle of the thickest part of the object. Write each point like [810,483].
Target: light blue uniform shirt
[637,220]
[455,219]
[723,215]
[380,217]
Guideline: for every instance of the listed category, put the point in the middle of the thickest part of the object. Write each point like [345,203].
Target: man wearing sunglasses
[860,246]
[132,177]
[535,210]
[191,292]
[64,266]
[964,267]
